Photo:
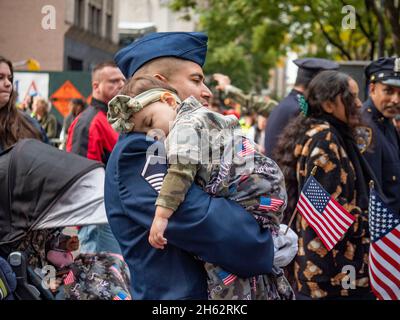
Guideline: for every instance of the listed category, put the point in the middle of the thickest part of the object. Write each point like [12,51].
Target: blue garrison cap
[384,70]
[190,46]
[316,64]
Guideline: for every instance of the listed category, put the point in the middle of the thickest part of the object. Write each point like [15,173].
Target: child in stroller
[42,191]
[99,276]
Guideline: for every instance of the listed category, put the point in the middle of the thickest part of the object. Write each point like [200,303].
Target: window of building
[109,26]
[98,22]
[91,18]
[74,64]
[79,13]
[94,20]
[109,6]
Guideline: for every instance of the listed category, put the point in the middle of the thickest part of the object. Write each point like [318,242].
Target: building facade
[59,34]
[139,17]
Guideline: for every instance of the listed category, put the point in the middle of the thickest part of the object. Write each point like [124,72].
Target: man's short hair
[165,66]
[100,66]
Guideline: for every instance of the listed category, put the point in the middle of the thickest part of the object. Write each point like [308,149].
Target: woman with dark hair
[14,125]
[323,136]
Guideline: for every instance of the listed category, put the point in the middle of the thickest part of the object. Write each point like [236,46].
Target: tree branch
[394,14]
[327,36]
[382,30]
[372,31]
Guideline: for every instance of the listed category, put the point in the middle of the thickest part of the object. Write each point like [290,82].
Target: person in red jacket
[91,136]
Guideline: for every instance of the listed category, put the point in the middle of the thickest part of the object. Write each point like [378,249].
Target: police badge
[363,137]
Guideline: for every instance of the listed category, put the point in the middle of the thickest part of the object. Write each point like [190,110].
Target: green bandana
[121,107]
[304,107]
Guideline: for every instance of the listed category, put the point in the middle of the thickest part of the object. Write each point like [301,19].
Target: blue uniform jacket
[384,153]
[285,111]
[215,229]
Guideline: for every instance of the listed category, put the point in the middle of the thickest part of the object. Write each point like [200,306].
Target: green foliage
[247,37]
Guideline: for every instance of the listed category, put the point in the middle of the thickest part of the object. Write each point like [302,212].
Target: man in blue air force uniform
[216,230]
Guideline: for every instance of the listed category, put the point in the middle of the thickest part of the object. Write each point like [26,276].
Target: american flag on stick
[323,213]
[384,254]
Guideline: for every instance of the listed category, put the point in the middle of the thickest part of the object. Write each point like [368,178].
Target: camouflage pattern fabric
[100,276]
[207,147]
[122,107]
[250,103]
[120,110]
[225,286]
[34,246]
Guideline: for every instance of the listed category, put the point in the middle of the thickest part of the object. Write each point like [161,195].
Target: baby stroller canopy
[43,187]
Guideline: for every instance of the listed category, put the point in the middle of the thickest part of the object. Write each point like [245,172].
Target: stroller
[42,191]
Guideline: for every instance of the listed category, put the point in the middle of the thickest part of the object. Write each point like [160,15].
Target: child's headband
[122,107]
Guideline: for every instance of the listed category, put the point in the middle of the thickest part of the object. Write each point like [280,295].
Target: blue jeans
[97,238]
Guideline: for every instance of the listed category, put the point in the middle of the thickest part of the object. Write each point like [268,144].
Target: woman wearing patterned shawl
[323,136]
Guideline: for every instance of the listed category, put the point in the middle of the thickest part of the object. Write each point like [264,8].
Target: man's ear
[95,85]
[328,106]
[168,98]
[160,77]
[372,87]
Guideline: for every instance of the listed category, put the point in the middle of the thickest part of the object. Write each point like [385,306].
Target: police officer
[288,108]
[396,122]
[383,154]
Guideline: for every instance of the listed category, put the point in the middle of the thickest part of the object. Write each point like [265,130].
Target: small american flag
[323,213]
[226,277]
[270,204]
[245,148]
[69,278]
[384,255]
[122,296]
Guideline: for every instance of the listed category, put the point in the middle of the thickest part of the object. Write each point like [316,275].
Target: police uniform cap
[190,46]
[316,64]
[310,67]
[384,70]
